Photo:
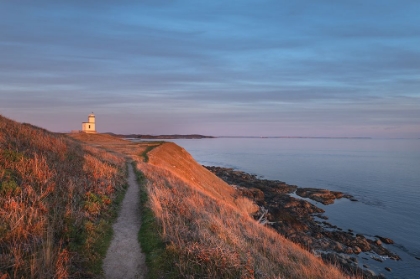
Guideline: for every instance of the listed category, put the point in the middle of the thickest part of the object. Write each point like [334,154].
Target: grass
[199,228]
[58,198]
[103,234]
[157,257]
[149,148]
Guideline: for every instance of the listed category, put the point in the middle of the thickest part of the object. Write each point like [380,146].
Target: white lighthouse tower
[89,127]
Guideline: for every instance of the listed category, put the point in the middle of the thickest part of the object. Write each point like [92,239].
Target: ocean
[382,174]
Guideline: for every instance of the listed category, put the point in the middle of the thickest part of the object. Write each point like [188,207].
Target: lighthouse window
[89,126]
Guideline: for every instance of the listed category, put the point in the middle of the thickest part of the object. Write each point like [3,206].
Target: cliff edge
[208,230]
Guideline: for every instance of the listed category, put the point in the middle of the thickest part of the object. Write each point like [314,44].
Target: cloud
[213,62]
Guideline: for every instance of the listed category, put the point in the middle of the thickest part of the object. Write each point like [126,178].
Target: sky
[221,68]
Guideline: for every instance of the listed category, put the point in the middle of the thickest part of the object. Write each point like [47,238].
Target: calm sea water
[384,175]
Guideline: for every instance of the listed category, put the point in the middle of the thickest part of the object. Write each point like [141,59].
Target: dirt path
[124,258]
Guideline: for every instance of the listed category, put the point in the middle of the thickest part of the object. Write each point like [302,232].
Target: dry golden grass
[180,163]
[111,144]
[209,233]
[54,195]
[55,190]
[97,138]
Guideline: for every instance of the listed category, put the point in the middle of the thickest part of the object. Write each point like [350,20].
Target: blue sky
[257,68]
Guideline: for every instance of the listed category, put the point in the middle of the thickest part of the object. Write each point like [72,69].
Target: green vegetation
[150,148]
[12,156]
[9,188]
[158,257]
[99,234]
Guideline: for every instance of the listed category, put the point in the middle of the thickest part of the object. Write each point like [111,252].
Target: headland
[195,224]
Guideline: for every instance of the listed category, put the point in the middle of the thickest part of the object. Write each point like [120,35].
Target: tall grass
[207,234]
[56,201]
[157,257]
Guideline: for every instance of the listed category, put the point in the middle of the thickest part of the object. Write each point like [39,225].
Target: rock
[328,225]
[339,247]
[388,269]
[418,258]
[385,239]
[253,193]
[347,264]
[320,195]
[361,242]
[377,259]
[356,250]
[321,216]
[348,250]
[317,235]
[370,272]
[295,219]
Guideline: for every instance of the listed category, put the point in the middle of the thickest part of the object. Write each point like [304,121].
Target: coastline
[352,166]
[292,212]
[202,216]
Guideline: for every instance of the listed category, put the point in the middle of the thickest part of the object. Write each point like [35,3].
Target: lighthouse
[89,127]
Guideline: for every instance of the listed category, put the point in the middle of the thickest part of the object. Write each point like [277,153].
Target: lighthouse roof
[91,115]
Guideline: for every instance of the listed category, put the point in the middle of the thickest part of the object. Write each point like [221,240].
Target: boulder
[356,250]
[385,239]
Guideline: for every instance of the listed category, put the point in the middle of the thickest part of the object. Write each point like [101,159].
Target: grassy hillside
[206,230]
[57,198]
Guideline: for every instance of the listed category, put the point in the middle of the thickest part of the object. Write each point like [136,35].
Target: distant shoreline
[291,137]
[197,136]
[135,136]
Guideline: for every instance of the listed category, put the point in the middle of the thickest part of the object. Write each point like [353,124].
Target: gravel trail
[124,258]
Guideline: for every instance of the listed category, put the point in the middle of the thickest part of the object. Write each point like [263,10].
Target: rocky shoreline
[304,223]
